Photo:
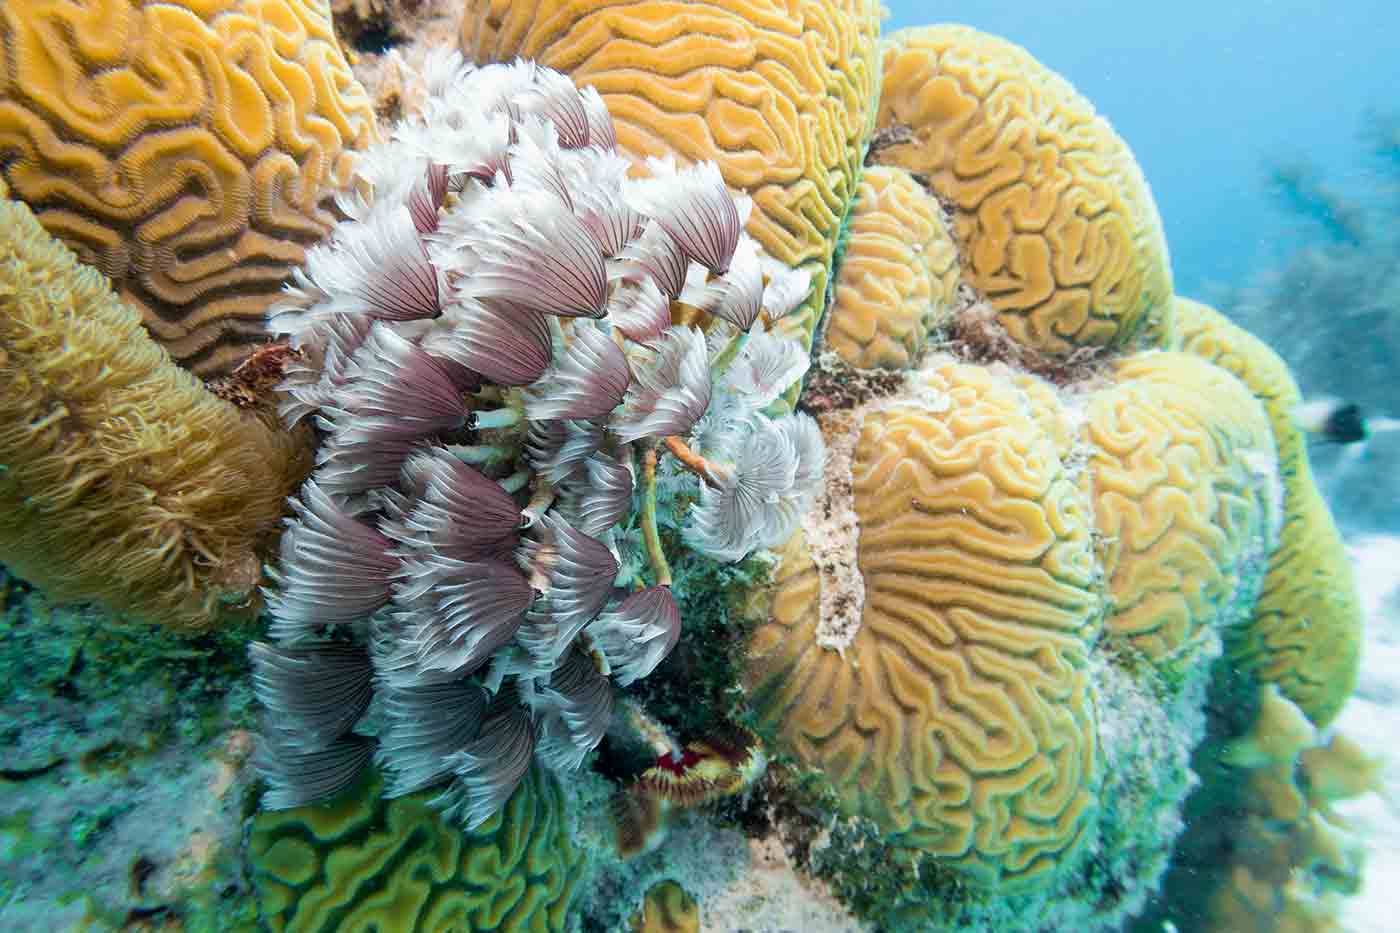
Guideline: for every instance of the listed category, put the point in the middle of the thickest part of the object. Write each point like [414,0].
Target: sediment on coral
[125,482]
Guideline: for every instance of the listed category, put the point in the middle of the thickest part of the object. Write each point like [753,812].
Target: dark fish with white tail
[1333,421]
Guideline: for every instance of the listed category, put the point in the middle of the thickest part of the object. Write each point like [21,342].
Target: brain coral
[957,716]
[366,863]
[898,276]
[780,95]
[1177,446]
[995,521]
[1305,634]
[1058,229]
[124,480]
[183,148]
[668,908]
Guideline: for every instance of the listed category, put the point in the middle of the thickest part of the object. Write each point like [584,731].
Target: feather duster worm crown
[491,359]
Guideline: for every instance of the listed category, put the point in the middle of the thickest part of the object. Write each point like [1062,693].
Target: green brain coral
[1306,631]
[367,863]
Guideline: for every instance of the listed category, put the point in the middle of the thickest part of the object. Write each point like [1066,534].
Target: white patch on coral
[832,530]
[1263,466]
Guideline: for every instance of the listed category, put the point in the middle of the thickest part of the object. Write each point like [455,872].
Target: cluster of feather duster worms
[489,348]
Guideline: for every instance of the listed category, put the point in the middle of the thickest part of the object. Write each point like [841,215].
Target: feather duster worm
[488,350]
[700,773]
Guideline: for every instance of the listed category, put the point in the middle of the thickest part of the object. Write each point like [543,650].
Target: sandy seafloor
[1372,718]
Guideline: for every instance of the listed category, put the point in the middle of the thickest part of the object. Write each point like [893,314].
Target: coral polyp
[490,356]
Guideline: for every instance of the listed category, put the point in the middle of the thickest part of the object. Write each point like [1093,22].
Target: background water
[1208,94]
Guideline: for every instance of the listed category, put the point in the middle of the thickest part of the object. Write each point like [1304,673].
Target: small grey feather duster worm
[489,354]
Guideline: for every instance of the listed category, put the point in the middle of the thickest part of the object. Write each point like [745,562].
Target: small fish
[1333,421]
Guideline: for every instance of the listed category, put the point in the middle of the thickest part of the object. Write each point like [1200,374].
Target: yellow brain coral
[667,909]
[898,276]
[1305,634]
[1180,463]
[995,522]
[957,715]
[367,863]
[183,148]
[779,94]
[123,479]
[1058,228]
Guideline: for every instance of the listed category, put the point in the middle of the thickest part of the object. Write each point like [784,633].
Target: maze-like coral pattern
[1183,471]
[1057,226]
[1305,634]
[959,717]
[667,908]
[781,95]
[367,863]
[183,148]
[898,276]
[124,480]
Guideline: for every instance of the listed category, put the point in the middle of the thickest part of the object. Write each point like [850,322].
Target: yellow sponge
[124,480]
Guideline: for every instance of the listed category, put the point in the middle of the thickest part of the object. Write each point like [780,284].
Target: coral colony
[489,352]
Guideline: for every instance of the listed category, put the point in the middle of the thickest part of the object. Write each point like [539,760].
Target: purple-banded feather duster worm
[455,614]
[334,568]
[671,390]
[693,206]
[488,351]
[575,573]
[587,380]
[454,511]
[638,633]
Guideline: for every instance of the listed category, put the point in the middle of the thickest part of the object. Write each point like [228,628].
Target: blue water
[1206,93]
